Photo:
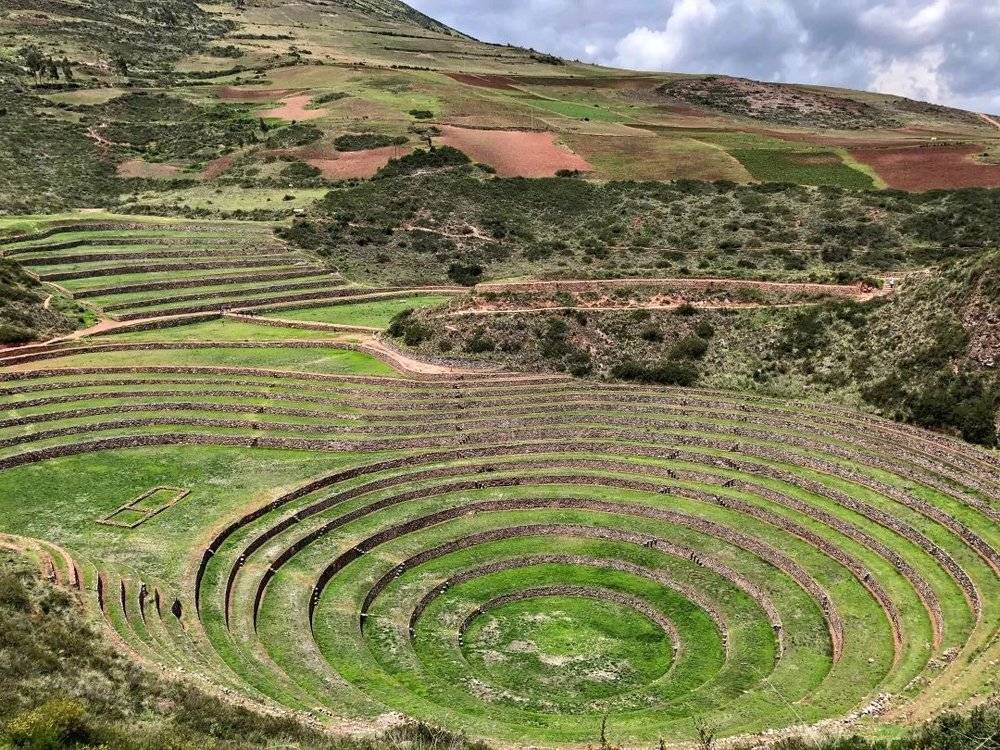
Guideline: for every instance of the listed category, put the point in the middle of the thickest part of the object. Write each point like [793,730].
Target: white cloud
[647,49]
[908,24]
[918,77]
[942,50]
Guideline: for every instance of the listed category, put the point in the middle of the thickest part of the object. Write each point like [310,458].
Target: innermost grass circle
[567,651]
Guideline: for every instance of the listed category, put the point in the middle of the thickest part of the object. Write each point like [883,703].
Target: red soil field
[919,168]
[356,164]
[514,153]
[217,167]
[294,108]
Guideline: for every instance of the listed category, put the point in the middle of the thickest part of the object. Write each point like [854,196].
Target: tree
[34,60]
[53,69]
[121,66]
[67,69]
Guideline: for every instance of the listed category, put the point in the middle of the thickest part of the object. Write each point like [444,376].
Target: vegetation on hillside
[926,356]
[48,163]
[66,687]
[415,228]
[142,34]
[23,314]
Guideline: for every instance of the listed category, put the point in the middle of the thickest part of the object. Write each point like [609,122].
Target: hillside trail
[991,120]
[621,308]
[405,363]
[860,292]
[92,132]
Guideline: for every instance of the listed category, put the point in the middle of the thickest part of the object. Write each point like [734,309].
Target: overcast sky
[946,51]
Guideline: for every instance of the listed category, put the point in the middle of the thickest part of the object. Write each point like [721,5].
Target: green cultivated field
[365,314]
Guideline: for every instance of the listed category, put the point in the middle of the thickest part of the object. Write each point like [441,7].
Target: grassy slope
[65,686]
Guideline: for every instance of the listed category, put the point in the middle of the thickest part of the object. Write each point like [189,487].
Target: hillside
[366,386]
[338,68]
[925,353]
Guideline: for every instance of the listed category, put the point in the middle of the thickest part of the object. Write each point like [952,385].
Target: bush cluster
[367,141]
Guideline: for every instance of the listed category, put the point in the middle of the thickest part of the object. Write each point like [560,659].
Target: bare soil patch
[217,167]
[356,164]
[295,108]
[930,167]
[144,170]
[514,153]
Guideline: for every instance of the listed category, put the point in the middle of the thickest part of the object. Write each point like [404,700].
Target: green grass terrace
[306,524]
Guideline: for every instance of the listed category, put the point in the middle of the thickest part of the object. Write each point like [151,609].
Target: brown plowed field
[502,83]
[514,153]
[919,168]
[356,164]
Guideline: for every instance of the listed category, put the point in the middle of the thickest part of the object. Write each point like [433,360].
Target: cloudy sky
[946,51]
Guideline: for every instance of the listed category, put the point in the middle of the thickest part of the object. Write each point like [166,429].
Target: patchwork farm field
[300,514]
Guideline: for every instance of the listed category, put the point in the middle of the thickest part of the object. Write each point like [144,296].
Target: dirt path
[473,232]
[859,292]
[405,363]
[621,308]
[991,120]
[92,133]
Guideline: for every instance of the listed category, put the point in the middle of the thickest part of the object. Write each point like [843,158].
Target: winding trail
[991,120]
[861,292]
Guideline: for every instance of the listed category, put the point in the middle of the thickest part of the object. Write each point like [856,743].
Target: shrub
[292,136]
[404,326]
[367,141]
[686,310]
[299,171]
[689,347]
[480,343]
[440,157]
[704,329]
[11,334]
[465,274]
[333,96]
[668,372]
[57,724]
[651,333]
